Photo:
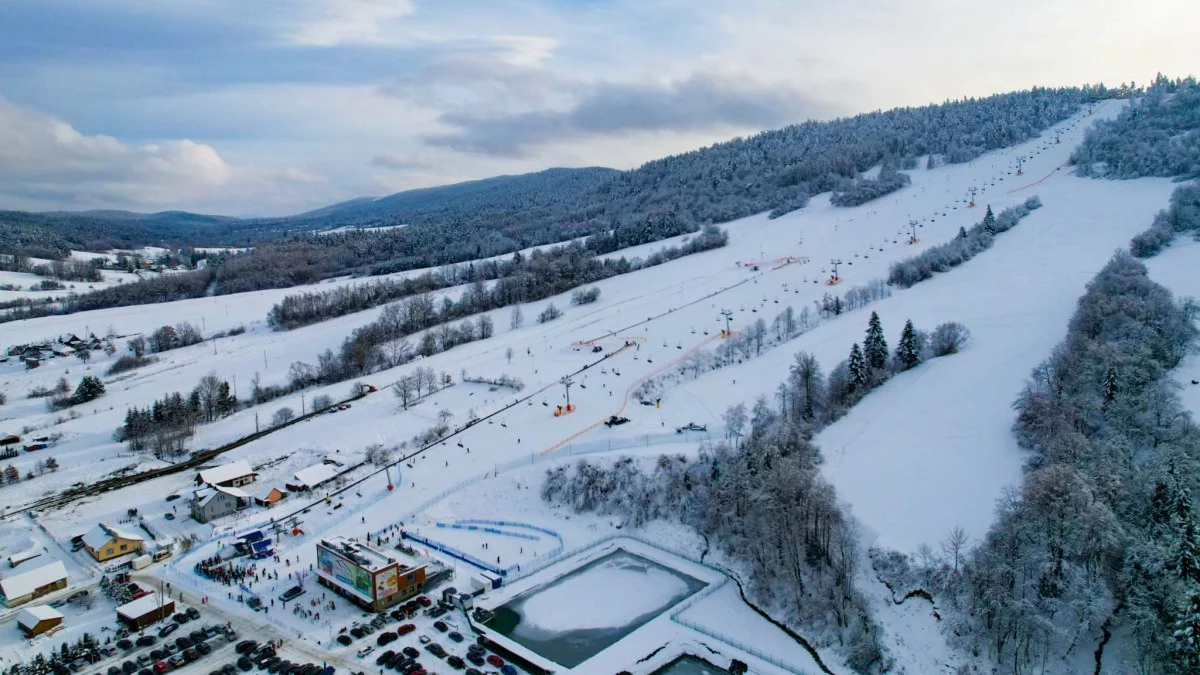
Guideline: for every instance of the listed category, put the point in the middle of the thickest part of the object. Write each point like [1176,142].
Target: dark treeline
[1102,536]
[863,190]
[762,500]
[772,171]
[1157,135]
[968,244]
[383,343]
[303,309]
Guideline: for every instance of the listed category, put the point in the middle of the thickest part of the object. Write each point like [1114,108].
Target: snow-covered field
[928,451]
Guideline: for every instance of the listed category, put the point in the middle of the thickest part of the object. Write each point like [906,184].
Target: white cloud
[329,23]
[47,163]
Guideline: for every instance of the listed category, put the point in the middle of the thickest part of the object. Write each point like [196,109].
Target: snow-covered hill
[928,451]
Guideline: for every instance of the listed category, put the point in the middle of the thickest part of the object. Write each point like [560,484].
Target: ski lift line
[1056,169]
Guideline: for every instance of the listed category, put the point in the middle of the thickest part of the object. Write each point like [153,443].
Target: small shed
[146,610]
[37,620]
[269,496]
[9,439]
[34,621]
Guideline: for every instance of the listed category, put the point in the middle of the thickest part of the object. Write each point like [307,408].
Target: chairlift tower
[974,191]
[835,279]
[1020,166]
[728,315]
[912,226]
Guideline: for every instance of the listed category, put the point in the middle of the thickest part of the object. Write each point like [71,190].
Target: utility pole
[728,315]
[302,404]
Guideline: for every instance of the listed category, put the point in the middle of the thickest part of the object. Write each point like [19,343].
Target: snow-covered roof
[206,495]
[142,606]
[226,472]
[314,475]
[101,534]
[30,616]
[28,554]
[23,584]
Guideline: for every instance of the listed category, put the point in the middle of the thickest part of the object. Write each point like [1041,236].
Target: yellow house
[104,542]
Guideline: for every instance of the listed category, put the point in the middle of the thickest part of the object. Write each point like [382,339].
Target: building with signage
[368,577]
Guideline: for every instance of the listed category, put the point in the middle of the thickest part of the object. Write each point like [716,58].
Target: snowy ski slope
[928,451]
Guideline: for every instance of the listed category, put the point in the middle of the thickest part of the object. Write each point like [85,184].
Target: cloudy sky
[267,107]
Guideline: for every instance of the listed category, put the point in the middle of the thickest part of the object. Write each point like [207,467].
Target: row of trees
[166,424]
[422,381]
[1102,537]
[384,343]
[541,274]
[968,244]
[65,270]
[1183,215]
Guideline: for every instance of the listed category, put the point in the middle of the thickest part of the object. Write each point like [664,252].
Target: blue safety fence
[455,553]
[489,530]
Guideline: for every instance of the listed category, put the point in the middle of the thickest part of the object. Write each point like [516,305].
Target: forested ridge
[771,171]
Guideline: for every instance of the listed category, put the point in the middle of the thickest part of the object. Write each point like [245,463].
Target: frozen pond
[574,617]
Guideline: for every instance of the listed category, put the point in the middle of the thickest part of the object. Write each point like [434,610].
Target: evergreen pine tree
[908,353]
[1186,557]
[1110,385]
[875,348]
[1185,634]
[989,221]
[858,366]
[962,233]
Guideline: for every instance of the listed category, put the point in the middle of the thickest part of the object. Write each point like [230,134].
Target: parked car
[245,646]
[161,667]
[229,669]
[344,640]
[204,649]
[412,652]
[435,649]
[425,602]
[383,657]
[472,671]
[172,498]
[183,642]
[243,663]
[379,621]
[455,635]
[362,653]
[180,618]
[177,661]
[357,632]
[455,662]
[146,641]
[145,671]
[405,628]
[508,669]
[476,658]
[129,667]
[386,638]
[495,660]
[190,655]
[168,629]
[124,645]
[441,626]
[292,593]
[193,613]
